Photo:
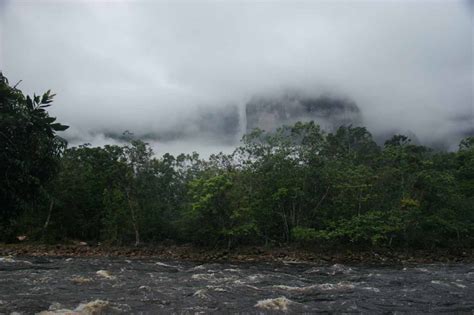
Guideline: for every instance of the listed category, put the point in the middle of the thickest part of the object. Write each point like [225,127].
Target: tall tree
[29,151]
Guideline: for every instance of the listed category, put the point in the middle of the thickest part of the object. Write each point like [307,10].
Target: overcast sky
[146,66]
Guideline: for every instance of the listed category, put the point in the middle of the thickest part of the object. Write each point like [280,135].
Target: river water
[30,285]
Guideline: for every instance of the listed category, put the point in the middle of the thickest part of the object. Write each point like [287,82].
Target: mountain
[269,113]
[226,124]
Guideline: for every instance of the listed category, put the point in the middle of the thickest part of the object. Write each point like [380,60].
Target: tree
[86,173]
[30,150]
[210,211]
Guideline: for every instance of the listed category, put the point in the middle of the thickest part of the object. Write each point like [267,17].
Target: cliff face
[226,124]
[330,113]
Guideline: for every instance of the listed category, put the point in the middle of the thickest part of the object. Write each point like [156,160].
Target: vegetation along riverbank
[298,186]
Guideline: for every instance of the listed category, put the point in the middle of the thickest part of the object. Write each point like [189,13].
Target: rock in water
[93,308]
[279,304]
[81,280]
[96,307]
[105,274]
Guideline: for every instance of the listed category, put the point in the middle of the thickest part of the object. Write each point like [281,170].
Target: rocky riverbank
[287,254]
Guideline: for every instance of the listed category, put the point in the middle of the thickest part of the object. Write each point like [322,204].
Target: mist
[163,69]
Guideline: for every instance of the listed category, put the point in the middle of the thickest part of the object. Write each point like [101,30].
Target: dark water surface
[147,286]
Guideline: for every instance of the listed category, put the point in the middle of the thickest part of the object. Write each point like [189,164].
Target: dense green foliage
[29,152]
[298,184]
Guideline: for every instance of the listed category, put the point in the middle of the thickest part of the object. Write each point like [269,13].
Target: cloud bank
[153,67]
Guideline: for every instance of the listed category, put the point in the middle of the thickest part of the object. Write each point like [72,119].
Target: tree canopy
[298,184]
[30,150]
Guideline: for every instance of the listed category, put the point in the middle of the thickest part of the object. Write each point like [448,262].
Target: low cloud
[156,67]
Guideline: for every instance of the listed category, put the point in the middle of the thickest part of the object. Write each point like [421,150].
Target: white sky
[147,66]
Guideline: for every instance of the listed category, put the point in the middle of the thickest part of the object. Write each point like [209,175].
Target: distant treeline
[298,184]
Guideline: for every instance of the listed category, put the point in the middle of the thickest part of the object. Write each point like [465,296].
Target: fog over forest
[195,76]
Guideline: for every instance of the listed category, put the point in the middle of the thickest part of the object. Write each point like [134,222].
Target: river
[31,285]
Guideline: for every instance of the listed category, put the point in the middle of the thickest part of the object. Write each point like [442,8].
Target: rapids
[32,285]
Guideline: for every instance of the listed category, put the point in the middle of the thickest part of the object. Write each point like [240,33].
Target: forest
[298,185]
